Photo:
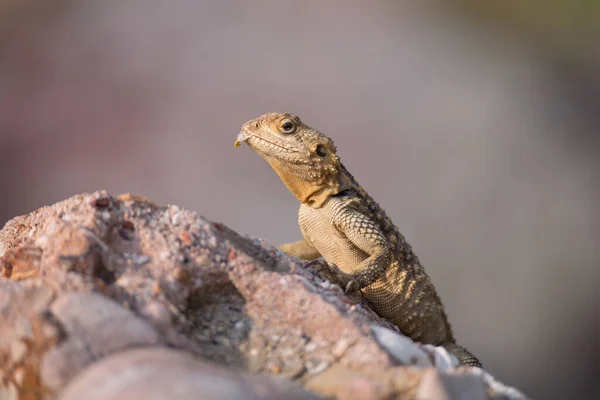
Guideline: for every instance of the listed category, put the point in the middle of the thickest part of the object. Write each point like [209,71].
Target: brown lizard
[340,222]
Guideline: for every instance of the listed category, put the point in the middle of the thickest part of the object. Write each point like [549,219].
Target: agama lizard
[340,222]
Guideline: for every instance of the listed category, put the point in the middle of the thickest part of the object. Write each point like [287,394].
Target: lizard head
[304,158]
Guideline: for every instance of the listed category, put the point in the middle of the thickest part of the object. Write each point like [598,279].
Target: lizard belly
[332,244]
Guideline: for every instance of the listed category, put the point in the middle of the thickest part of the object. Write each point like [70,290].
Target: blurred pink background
[478,139]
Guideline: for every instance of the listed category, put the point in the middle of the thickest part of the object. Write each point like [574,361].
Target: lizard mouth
[244,137]
[241,138]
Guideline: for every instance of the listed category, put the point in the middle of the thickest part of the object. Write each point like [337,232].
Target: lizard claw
[349,287]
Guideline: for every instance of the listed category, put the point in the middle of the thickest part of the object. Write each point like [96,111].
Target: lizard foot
[317,264]
[332,273]
[321,268]
[344,280]
[348,285]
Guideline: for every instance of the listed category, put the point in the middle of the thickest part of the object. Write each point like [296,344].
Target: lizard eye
[321,151]
[287,126]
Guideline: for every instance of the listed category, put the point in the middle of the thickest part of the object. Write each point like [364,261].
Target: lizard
[363,250]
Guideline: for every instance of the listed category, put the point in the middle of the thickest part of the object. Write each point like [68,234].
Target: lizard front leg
[363,233]
[301,249]
[304,249]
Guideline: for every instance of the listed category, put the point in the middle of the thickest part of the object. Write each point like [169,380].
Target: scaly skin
[340,222]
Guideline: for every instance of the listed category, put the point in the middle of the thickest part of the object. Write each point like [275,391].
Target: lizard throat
[313,194]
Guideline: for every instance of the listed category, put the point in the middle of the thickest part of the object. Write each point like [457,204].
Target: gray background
[483,155]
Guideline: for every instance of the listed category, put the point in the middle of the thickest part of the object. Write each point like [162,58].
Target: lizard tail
[465,357]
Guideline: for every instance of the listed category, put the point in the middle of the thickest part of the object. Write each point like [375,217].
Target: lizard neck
[313,193]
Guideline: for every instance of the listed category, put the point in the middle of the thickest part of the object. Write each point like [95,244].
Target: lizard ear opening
[321,150]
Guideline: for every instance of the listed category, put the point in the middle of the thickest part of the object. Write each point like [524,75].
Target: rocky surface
[105,297]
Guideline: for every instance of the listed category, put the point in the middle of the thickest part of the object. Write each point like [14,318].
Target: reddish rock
[90,279]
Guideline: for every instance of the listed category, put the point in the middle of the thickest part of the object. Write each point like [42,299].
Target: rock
[27,332]
[95,326]
[442,359]
[400,347]
[161,373]
[439,386]
[496,389]
[116,297]
[345,382]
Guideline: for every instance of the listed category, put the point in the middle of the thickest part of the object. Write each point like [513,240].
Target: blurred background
[474,124]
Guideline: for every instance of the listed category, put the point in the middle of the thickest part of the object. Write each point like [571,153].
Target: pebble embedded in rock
[400,347]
